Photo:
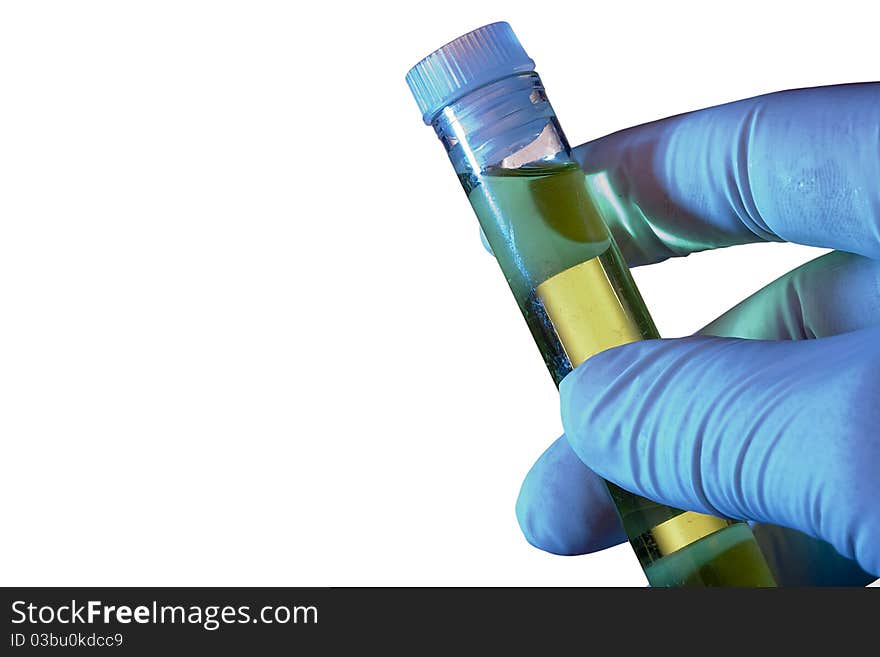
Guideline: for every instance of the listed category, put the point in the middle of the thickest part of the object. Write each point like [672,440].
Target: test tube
[487,105]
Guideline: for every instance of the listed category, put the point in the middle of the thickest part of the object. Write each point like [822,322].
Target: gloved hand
[777,422]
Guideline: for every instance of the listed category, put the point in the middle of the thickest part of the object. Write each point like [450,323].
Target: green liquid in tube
[578,298]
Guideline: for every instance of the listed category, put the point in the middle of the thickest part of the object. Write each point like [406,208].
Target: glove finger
[772,431]
[832,294]
[835,293]
[564,508]
[799,166]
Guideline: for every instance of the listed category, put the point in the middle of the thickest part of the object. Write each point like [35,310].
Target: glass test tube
[489,109]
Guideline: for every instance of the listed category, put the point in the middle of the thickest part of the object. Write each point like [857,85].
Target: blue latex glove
[779,421]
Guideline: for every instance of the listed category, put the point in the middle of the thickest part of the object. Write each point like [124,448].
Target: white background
[248,334]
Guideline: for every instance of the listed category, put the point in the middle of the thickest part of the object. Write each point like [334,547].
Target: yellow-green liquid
[578,298]
[729,557]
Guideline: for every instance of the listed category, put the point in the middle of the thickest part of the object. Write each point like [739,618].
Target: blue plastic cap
[477,58]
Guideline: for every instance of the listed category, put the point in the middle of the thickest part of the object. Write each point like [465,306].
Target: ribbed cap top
[487,54]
